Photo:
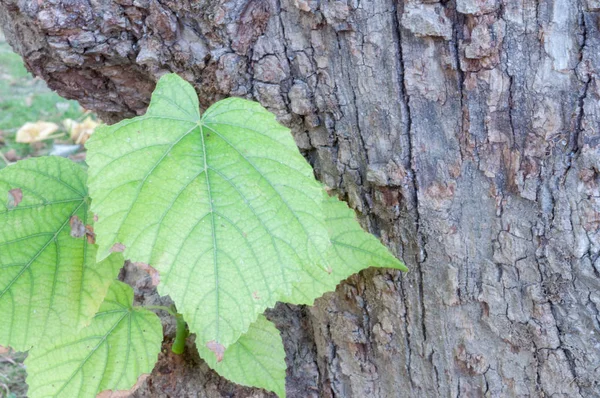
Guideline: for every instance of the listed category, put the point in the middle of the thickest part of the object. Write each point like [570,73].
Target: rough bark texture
[466,134]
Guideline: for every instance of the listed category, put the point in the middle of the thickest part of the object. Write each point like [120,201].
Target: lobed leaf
[352,250]
[223,205]
[121,343]
[257,359]
[49,279]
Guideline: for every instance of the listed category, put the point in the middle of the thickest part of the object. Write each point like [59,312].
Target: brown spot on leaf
[150,271]
[77,227]
[15,196]
[217,348]
[90,235]
[123,393]
[255,295]
[95,217]
[117,248]
[79,230]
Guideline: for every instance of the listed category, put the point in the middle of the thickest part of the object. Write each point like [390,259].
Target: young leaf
[352,250]
[223,205]
[257,359]
[49,279]
[121,343]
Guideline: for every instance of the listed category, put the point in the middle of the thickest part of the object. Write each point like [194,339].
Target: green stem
[182,332]
[180,336]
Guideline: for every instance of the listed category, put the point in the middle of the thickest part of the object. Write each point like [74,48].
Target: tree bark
[464,132]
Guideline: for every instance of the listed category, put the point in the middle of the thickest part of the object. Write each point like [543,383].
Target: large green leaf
[257,359]
[49,279]
[223,205]
[121,343]
[352,250]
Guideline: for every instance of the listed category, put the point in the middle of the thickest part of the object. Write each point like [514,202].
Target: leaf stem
[180,336]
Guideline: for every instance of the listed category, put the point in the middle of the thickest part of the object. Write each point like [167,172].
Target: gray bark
[464,132]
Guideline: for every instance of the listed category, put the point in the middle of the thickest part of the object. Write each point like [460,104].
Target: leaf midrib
[212,212]
[292,211]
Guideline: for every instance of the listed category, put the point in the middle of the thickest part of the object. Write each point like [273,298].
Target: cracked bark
[465,133]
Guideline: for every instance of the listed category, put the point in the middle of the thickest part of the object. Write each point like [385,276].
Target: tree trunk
[466,135]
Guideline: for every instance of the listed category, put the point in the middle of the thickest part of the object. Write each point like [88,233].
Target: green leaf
[121,343]
[223,205]
[49,279]
[257,359]
[352,250]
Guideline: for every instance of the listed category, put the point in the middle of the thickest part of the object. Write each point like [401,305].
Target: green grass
[23,99]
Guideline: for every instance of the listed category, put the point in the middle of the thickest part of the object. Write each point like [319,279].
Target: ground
[12,374]
[26,99]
